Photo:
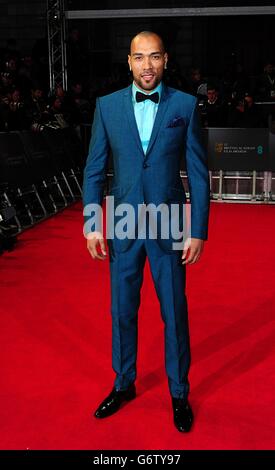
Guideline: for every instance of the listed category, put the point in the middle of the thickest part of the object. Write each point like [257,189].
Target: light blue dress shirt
[145,113]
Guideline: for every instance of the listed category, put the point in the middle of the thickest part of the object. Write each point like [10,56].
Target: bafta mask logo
[218,147]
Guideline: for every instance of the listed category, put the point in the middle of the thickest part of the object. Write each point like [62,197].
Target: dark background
[211,43]
[113,4]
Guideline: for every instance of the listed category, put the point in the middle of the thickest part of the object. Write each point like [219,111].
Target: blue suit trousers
[168,275]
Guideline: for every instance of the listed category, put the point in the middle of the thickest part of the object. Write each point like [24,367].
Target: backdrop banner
[238,149]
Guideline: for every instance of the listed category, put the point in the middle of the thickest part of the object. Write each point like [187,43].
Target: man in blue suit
[149,128]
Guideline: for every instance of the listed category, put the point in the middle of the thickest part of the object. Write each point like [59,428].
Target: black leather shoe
[114,400]
[183,415]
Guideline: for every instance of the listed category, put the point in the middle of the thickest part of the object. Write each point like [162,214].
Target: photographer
[57,119]
[17,115]
[243,112]
[4,112]
[213,110]
[36,110]
[265,88]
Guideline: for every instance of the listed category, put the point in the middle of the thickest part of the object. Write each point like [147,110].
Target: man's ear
[129,62]
[165,60]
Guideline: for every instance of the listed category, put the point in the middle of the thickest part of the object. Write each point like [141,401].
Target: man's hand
[95,240]
[192,250]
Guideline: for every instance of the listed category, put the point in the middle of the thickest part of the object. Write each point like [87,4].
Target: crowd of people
[27,103]
[229,100]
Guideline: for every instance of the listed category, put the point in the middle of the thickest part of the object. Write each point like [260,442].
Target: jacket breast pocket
[177,121]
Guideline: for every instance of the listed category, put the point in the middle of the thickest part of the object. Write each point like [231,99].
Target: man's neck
[146,91]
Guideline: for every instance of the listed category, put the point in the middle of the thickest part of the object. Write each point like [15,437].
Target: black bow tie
[142,97]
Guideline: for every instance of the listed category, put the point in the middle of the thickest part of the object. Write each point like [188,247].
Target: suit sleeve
[96,165]
[198,177]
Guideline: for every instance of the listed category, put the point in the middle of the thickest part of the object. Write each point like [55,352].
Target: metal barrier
[241,163]
[241,186]
[40,173]
[238,186]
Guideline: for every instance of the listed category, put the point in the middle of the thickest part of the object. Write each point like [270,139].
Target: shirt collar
[135,89]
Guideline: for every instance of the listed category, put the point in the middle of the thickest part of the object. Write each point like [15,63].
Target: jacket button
[145,165]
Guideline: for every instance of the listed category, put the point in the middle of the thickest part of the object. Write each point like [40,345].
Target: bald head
[145,35]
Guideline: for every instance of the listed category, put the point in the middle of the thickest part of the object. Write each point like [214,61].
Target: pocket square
[177,121]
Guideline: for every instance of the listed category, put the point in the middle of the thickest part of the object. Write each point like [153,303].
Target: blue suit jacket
[154,177]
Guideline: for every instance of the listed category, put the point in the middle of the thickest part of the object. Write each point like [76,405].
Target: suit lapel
[131,116]
[162,108]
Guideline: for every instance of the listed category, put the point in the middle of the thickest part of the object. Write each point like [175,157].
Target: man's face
[269,68]
[212,95]
[249,101]
[16,95]
[11,64]
[147,61]
[59,92]
[38,94]
[57,104]
[196,75]
[77,88]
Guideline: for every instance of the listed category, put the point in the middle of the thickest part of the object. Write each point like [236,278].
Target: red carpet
[55,335]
